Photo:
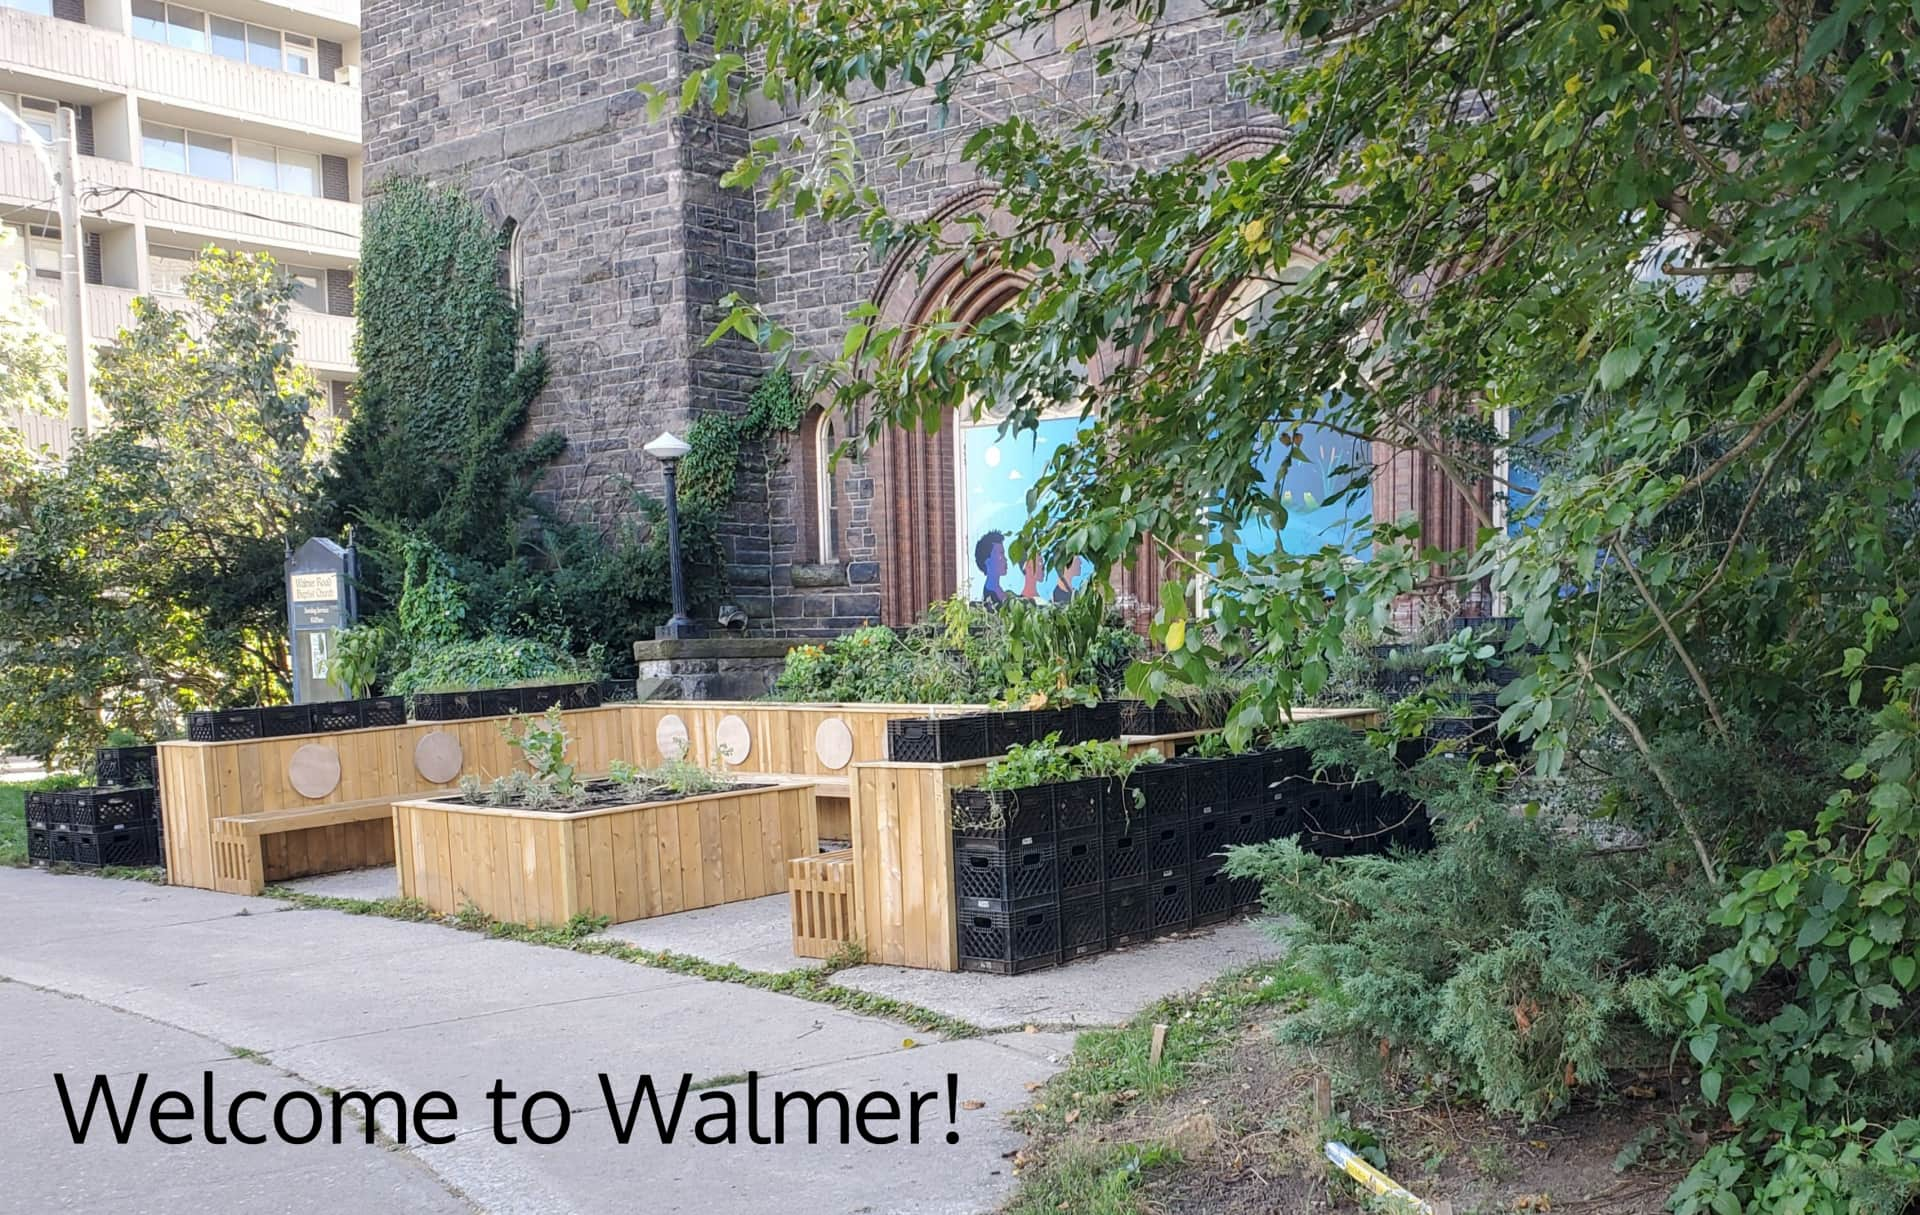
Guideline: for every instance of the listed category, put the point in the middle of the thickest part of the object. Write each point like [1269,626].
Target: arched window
[826,488]
[512,257]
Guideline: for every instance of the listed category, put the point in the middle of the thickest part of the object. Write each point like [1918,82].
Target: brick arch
[915,482]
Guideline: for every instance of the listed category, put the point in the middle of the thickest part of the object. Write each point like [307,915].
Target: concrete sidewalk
[119,978]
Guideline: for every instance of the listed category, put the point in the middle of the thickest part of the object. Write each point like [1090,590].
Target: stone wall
[629,244]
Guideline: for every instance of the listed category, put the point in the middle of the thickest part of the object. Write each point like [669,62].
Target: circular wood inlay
[833,743]
[671,736]
[314,770]
[733,740]
[437,757]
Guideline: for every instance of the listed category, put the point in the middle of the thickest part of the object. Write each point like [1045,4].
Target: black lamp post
[668,449]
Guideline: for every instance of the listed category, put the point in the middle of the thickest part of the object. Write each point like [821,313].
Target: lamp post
[668,449]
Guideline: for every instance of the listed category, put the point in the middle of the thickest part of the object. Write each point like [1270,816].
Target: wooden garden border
[626,862]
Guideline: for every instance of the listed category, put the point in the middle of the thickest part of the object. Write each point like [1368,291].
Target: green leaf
[1618,366]
[1739,1105]
[1710,1085]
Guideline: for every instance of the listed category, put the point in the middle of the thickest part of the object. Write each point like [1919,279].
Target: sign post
[320,601]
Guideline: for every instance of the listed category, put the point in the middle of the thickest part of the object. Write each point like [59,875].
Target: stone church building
[623,242]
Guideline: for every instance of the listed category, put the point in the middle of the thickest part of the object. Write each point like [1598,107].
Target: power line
[125,192]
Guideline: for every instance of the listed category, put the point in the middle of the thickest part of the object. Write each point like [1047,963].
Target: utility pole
[73,309]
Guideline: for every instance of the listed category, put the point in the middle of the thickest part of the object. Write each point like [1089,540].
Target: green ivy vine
[707,473]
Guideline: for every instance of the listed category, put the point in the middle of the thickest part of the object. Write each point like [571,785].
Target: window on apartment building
[309,287]
[38,249]
[240,41]
[219,158]
[37,114]
[168,267]
[43,7]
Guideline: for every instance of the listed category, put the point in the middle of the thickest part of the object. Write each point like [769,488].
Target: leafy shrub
[1517,957]
[967,653]
[489,662]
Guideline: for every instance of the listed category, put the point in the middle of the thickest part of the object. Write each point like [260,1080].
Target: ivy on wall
[708,472]
[435,442]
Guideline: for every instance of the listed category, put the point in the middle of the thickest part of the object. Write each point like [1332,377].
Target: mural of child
[990,555]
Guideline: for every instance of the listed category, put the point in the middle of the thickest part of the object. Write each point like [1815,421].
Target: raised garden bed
[626,860]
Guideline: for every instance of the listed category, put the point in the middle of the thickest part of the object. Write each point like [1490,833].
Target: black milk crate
[1096,724]
[541,697]
[1167,846]
[121,766]
[39,844]
[1415,830]
[1277,823]
[1136,717]
[1244,827]
[498,702]
[1243,780]
[1203,787]
[581,696]
[990,875]
[1124,858]
[1172,902]
[332,715]
[937,740]
[60,845]
[1246,891]
[384,710]
[1211,892]
[619,691]
[1003,814]
[1129,916]
[1083,927]
[1081,864]
[278,721]
[1010,942]
[1207,837]
[1313,805]
[1163,795]
[1077,805]
[223,725]
[104,809]
[445,706]
[1047,722]
[45,808]
[130,846]
[1010,728]
[1282,770]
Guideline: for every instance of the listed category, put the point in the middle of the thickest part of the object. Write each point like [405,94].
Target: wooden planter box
[626,862]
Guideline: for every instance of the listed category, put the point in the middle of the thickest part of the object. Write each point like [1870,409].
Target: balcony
[222,211]
[323,342]
[83,55]
[207,83]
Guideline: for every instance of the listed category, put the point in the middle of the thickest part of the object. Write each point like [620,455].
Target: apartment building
[235,123]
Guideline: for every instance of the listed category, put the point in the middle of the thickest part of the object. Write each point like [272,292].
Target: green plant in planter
[542,742]
[680,777]
[1465,656]
[1036,763]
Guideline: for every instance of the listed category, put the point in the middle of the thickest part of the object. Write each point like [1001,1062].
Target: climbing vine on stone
[708,472]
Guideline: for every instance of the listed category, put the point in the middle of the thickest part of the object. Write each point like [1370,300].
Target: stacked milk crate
[114,823]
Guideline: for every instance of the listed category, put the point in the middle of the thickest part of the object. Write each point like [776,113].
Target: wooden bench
[251,849]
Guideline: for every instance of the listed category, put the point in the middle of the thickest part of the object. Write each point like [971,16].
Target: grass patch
[1112,1068]
[579,935]
[1075,1163]
[1100,1181]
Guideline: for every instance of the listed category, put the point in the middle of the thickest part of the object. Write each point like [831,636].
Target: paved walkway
[120,978]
